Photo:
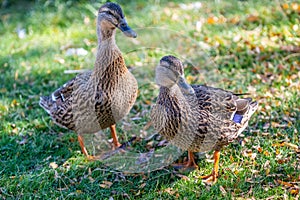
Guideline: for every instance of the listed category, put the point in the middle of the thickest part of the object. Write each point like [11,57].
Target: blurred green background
[243,46]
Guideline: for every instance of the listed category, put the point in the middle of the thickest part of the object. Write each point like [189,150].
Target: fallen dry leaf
[259,149]
[223,190]
[252,18]
[183,177]
[286,184]
[281,161]
[292,49]
[62,189]
[53,165]
[285,6]
[142,185]
[212,20]
[266,153]
[105,184]
[250,154]
[294,191]
[295,6]
[293,146]
[78,191]
[170,191]
[267,171]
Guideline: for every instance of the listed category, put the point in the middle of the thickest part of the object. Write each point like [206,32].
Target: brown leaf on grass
[147,102]
[212,20]
[295,6]
[147,126]
[252,18]
[294,191]
[62,189]
[267,167]
[266,164]
[281,161]
[267,171]
[277,125]
[86,20]
[14,103]
[271,198]
[249,154]
[105,184]
[290,145]
[150,144]
[142,185]
[222,19]
[183,177]
[285,6]
[170,191]
[138,193]
[53,165]
[266,153]
[259,149]
[223,191]
[234,20]
[290,49]
[286,184]
[91,179]
[59,60]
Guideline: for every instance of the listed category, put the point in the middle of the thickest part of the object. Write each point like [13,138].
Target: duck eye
[109,12]
[123,24]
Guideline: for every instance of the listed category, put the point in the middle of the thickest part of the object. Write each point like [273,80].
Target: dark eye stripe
[111,13]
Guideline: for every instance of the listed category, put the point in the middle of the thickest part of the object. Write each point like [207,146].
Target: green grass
[243,46]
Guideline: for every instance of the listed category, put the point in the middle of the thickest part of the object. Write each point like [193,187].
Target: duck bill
[123,26]
[185,87]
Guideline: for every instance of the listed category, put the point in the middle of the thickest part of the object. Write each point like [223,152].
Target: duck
[97,99]
[197,118]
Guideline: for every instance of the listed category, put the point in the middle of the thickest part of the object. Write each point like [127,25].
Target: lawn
[244,46]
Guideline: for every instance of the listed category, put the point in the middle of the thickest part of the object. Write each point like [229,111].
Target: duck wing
[59,103]
[223,104]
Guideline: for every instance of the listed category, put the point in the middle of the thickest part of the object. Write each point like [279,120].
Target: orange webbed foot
[189,165]
[212,178]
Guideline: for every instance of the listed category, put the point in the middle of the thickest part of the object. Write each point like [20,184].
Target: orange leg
[213,176]
[83,149]
[189,164]
[114,135]
[191,160]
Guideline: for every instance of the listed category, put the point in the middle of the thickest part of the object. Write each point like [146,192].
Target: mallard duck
[197,118]
[97,99]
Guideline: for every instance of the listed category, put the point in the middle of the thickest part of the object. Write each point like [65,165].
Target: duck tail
[241,94]
[45,103]
[245,109]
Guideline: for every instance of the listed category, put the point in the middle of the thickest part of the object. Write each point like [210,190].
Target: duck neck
[171,92]
[107,51]
[167,98]
[106,35]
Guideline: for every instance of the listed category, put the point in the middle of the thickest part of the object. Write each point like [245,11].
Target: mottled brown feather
[201,121]
[96,99]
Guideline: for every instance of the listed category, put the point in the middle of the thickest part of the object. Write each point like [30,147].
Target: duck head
[170,72]
[110,17]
